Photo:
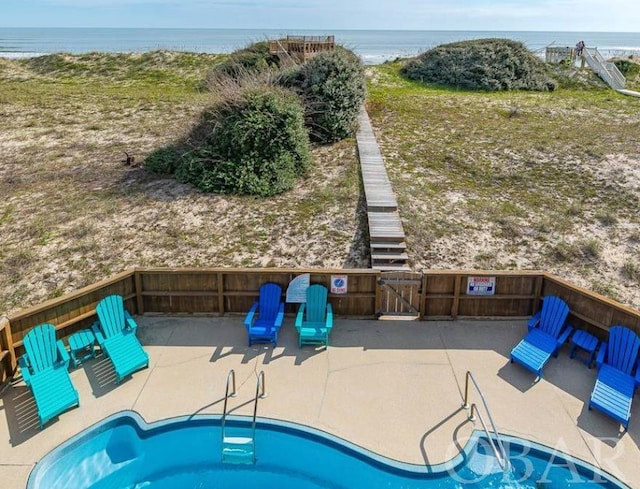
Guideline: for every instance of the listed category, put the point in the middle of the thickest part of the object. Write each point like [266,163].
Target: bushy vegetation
[484,64]
[628,67]
[252,59]
[166,67]
[253,142]
[572,78]
[255,139]
[333,88]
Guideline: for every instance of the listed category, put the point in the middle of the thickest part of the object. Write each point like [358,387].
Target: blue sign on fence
[339,284]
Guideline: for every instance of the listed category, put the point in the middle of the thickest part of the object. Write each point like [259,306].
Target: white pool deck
[393,387]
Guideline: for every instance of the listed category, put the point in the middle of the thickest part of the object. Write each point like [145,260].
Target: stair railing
[609,72]
[612,69]
[497,446]
[284,55]
[231,379]
[261,393]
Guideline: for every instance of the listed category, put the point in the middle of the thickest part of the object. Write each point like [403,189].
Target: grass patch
[630,271]
[537,171]
[477,187]
[81,214]
[606,217]
[590,248]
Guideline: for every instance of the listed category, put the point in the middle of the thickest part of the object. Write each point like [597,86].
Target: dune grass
[494,181]
[73,213]
[514,179]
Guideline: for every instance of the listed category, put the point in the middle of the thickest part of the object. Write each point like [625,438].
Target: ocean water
[373,46]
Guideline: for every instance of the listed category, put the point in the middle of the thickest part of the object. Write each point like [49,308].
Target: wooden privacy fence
[438,295]
[6,350]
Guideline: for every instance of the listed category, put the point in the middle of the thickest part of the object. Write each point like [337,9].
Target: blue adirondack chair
[44,369]
[115,331]
[315,318]
[615,384]
[548,331]
[265,317]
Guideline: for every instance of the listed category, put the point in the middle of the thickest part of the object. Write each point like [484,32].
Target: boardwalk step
[385,226]
[389,256]
[392,268]
[388,246]
[382,208]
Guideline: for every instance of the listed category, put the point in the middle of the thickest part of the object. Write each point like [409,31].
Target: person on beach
[579,48]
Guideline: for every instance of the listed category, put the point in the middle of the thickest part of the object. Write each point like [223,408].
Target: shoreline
[373,46]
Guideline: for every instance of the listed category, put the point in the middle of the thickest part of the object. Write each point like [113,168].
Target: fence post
[456,297]
[220,294]
[423,297]
[7,352]
[378,300]
[138,287]
[537,292]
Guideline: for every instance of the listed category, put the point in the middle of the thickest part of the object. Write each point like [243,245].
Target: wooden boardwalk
[388,248]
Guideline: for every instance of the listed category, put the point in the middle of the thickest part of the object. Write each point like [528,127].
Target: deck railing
[220,291]
[559,54]
[301,47]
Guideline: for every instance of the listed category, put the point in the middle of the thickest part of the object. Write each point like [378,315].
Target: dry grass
[516,180]
[493,181]
[74,213]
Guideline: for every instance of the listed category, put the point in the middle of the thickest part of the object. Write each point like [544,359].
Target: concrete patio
[392,387]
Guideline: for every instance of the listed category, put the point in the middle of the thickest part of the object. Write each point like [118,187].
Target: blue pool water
[185,453]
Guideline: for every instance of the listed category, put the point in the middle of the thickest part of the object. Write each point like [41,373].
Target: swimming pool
[123,451]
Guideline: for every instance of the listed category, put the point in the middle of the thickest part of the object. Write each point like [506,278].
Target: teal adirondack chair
[315,318]
[115,331]
[264,319]
[44,369]
[615,385]
[548,331]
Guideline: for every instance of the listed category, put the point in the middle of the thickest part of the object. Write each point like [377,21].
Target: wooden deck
[388,248]
[300,48]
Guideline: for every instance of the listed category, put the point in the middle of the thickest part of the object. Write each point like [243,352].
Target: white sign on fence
[481,285]
[297,289]
[338,284]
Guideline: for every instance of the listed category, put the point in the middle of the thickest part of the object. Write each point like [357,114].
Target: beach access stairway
[386,234]
[608,71]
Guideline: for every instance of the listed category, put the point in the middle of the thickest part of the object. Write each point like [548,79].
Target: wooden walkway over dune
[388,247]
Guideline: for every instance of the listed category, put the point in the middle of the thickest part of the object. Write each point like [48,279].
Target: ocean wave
[20,54]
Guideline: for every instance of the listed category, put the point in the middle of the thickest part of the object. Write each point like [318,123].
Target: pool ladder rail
[495,441]
[239,449]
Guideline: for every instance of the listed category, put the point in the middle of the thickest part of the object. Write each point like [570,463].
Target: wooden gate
[399,295]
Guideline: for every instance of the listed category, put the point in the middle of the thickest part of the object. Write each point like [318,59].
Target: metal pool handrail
[230,377]
[499,450]
[501,458]
[260,383]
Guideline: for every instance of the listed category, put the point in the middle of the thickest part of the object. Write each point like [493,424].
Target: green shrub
[333,88]
[245,62]
[484,64]
[627,67]
[164,160]
[252,142]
